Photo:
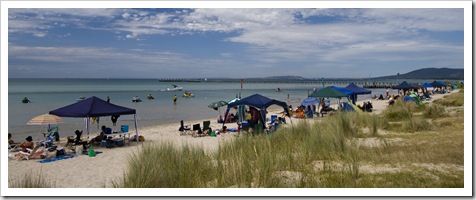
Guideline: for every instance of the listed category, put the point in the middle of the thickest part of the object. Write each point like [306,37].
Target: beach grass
[456,99]
[405,146]
[30,180]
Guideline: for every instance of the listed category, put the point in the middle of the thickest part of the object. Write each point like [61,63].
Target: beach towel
[56,159]
[357,109]
[232,129]
[87,153]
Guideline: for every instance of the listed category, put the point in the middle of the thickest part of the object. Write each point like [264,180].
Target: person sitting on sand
[223,129]
[100,137]
[299,113]
[11,143]
[77,140]
[391,101]
[220,119]
[368,106]
[28,144]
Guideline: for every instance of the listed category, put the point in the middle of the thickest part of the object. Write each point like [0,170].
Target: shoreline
[97,172]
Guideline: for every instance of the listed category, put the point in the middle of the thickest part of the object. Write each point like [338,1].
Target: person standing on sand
[108,99]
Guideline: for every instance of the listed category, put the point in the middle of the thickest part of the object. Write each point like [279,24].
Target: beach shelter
[409,98]
[442,84]
[259,102]
[241,109]
[417,99]
[348,108]
[343,90]
[329,92]
[94,107]
[356,90]
[438,84]
[427,85]
[310,101]
[405,86]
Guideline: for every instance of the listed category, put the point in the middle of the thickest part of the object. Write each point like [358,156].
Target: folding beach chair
[184,129]
[273,117]
[197,131]
[206,126]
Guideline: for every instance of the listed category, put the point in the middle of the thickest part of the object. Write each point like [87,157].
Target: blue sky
[236,43]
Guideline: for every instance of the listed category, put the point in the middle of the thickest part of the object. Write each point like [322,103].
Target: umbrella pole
[137,131]
[87,127]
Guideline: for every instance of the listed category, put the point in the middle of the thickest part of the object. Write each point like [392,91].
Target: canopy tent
[438,84]
[405,86]
[443,84]
[259,102]
[94,107]
[427,85]
[329,92]
[343,90]
[417,86]
[356,90]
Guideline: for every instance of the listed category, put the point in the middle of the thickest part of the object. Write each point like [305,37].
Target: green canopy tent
[329,92]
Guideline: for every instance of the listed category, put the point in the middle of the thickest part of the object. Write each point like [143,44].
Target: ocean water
[49,94]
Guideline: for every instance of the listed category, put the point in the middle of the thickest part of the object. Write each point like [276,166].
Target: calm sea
[49,94]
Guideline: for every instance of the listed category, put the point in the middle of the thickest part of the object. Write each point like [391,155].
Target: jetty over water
[365,84]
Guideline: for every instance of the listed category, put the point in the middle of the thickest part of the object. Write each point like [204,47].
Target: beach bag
[141,138]
[91,152]
[133,138]
[60,152]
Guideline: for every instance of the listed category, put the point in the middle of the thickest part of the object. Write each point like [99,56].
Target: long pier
[365,84]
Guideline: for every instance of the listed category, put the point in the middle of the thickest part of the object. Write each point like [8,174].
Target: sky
[235,43]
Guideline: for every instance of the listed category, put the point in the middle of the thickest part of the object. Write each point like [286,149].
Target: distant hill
[430,73]
[426,73]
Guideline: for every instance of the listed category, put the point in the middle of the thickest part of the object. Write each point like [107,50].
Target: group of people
[366,106]
[27,144]
[304,111]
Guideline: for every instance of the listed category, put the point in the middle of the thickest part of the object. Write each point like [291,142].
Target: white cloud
[126,15]
[330,37]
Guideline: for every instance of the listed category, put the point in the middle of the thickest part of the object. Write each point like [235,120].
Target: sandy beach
[99,171]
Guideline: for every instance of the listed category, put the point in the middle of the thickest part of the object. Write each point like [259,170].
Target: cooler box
[124,128]
[119,142]
[108,130]
[103,143]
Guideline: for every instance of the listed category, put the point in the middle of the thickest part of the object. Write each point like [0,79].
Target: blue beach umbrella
[310,101]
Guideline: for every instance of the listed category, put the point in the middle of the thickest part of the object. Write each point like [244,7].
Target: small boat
[136,99]
[80,98]
[278,90]
[174,88]
[149,96]
[188,94]
[25,100]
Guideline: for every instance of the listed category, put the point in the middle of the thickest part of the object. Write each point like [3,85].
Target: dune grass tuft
[32,181]
[329,152]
